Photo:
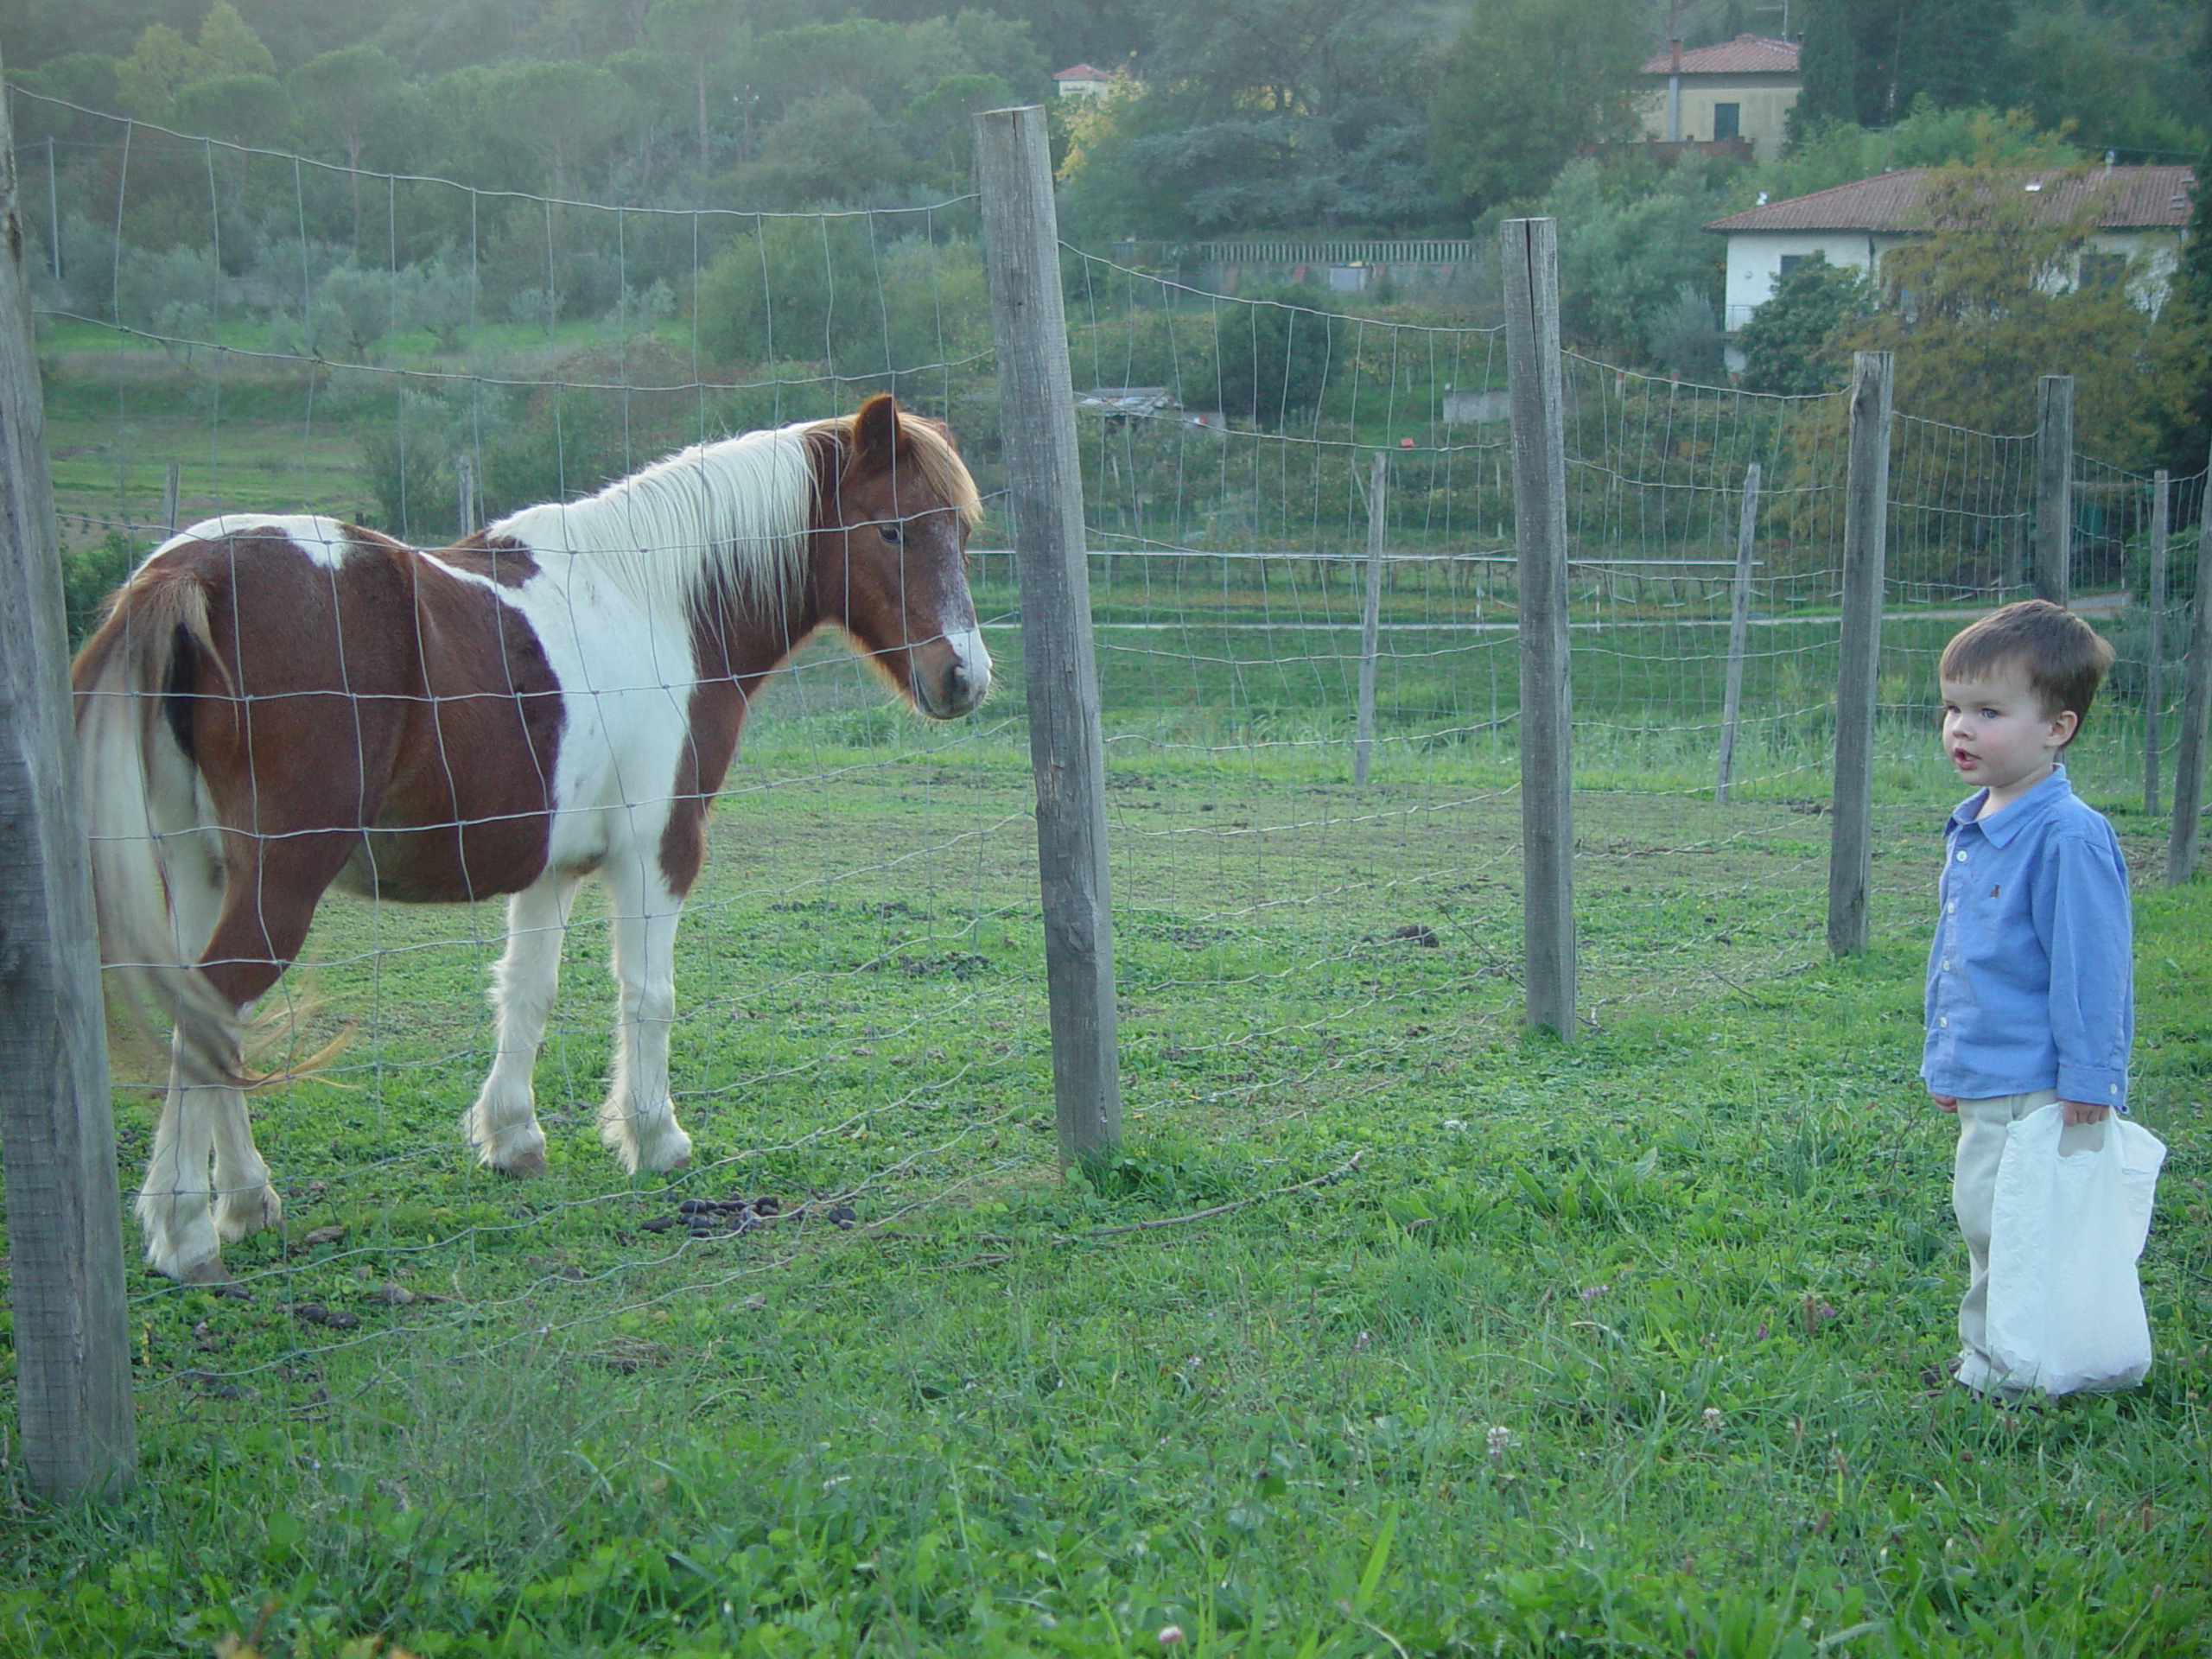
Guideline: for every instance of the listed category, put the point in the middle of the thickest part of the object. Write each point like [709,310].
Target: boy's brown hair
[2065,658]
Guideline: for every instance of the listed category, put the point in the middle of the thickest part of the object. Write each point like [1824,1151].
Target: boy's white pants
[1982,1127]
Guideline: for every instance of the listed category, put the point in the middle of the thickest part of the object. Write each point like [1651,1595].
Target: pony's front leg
[503,1123]
[638,1122]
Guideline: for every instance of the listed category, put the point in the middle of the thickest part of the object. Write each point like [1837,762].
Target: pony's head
[894,507]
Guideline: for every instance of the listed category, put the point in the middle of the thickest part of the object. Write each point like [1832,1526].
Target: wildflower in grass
[1592,1292]
[1170,1635]
[1713,1419]
[1500,1440]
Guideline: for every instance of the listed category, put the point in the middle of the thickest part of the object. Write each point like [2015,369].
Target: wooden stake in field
[464,480]
[1866,534]
[1370,621]
[1739,619]
[2054,570]
[2195,707]
[1067,747]
[1530,256]
[2154,649]
[57,1132]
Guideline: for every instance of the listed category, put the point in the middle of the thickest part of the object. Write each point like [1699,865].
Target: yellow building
[1741,89]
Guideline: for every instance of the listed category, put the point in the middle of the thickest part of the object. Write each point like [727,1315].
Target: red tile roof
[1084,72]
[1747,55]
[2125,199]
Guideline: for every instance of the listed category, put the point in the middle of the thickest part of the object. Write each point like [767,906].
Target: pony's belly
[447,864]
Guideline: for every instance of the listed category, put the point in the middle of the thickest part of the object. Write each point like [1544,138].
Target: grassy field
[1395,1330]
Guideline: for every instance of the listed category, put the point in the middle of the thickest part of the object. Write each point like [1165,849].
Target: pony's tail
[146,808]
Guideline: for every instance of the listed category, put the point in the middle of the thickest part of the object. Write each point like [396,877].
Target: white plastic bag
[2065,1305]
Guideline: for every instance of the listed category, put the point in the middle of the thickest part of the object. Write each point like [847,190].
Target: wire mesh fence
[1309,678]
[859,1023]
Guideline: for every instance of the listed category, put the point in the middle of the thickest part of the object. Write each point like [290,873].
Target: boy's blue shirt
[2031,978]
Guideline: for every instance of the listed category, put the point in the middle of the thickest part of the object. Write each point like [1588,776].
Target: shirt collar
[2008,820]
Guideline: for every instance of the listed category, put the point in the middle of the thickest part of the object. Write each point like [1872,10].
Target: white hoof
[181,1241]
[650,1145]
[247,1210]
[519,1150]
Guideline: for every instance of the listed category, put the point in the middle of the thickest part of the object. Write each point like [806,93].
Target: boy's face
[1999,735]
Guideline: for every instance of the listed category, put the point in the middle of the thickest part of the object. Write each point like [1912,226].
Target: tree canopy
[1995,296]
[1528,84]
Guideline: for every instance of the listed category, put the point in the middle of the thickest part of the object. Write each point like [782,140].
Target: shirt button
[1947,964]
[1953,909]
[1962,858]
[1943,1020]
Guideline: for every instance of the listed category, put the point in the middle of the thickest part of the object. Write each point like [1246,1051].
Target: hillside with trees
[1347,118]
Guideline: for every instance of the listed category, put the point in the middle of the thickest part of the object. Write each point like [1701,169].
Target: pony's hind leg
[503,1123]
[204,1057]
[638,1122]
[244,1201]
[182,1238]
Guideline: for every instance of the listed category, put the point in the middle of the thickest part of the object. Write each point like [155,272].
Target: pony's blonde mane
[731,515]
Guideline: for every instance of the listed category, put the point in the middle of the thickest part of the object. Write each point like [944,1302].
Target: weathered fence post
[1530,256]
[1067,747]
[57,1131]
[2154,648]
[1740,627]
[53,209]
[170,482]
[1371,618]
[1866,532]
[2053,576]
[2196,707]
[464,479]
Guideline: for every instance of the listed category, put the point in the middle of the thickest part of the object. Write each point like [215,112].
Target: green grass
[1632,1344]
[1450,1339]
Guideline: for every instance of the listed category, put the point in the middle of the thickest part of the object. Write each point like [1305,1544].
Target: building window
[1791,261]
[1727,120]
[2103,269]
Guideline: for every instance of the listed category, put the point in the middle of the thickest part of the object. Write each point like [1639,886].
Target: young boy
[2030,981]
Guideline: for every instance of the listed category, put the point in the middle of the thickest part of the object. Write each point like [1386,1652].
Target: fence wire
[1303,592]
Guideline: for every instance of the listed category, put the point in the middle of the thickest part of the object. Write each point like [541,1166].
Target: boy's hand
[1945,1103]
[2079,1111]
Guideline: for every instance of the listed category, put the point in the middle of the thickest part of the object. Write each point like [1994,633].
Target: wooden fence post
[2054,573]
[1740,627]
[2154,648]
[2195,707]
[464,479]
[1529,251]
[57,1131]
[169,490]
[1067,748]
[1371,619]
[1866,532]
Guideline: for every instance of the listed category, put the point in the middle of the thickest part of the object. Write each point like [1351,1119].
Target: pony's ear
[876,436]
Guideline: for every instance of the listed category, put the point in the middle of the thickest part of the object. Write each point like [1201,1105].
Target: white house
[1084,81]
[2136,210]
[1741,89]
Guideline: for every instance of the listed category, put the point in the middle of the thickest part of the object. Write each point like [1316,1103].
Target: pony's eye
[894,532]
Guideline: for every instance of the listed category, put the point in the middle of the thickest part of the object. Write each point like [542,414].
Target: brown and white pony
[278,705]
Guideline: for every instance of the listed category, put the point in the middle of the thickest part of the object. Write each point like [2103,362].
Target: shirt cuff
[2094,1085]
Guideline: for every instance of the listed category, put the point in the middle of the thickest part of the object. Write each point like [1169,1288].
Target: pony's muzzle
[953,684]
